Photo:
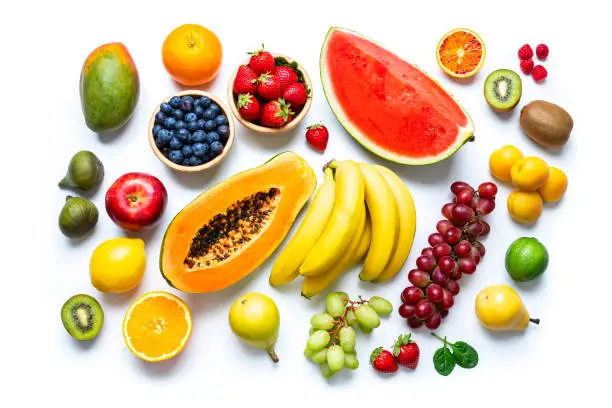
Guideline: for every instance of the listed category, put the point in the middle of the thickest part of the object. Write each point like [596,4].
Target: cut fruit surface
[503,89]
[460,53]
[157,326]
[390,106]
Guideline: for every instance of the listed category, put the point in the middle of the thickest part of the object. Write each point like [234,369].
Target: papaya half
[230,229]
[109,87]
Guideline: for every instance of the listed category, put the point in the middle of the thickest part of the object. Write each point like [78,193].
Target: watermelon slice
[391,107]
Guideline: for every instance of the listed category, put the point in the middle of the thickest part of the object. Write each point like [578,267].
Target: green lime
[526,259]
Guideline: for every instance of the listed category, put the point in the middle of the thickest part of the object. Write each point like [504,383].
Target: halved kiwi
[83,317]
[503,89]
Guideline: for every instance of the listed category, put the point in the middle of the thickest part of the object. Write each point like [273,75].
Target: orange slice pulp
[157,326]
[460,53]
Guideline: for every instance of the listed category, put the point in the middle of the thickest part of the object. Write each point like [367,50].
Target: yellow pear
[499,307]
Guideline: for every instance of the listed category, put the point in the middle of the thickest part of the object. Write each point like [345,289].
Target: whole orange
[192,54]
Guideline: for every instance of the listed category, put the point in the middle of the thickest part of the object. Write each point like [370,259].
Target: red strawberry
[248,107]
[269,87]
[261,61]
[295,94]
[245,81]
[276,114]
[406,352]
[317,136]
[382,361]
[527,66]
[286,75]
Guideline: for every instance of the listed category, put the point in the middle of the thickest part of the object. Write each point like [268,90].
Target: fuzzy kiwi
[82,317]
[503,89]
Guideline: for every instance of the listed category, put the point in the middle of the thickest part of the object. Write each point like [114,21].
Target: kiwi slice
[503,89]
[83,317]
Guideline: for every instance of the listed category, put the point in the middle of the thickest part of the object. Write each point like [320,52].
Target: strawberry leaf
[258,51]
[375,354]
[244,100]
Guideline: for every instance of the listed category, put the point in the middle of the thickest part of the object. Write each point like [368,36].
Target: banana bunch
[361,212]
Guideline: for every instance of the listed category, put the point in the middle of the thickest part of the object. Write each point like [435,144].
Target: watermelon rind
[464,135]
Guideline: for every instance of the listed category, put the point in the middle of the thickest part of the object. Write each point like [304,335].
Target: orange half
[461,53]
[157,326]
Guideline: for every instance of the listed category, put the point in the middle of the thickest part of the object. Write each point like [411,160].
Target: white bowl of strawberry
[269,93]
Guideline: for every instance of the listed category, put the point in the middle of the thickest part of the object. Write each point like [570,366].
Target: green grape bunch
[332,339]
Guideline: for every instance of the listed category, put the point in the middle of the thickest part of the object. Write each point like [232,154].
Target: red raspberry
[527,66]
[525,52]
[542,51]
[539,73]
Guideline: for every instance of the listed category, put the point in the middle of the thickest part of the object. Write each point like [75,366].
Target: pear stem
[272,354]
[535,321]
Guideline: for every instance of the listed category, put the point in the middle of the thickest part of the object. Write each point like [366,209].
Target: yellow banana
[285,268]
[385,217]
[314,285]
[342,224]
[364,244]
[407,223]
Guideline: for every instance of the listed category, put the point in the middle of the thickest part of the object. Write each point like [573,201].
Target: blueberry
[175,143]
[170,123]
[201,123]
[166,108]
[209,114]
[182,135]
[195,161]
[224,132]
[204,102]
[221,120]
[160,117]
[215,108]
[216,148]
[186,161]
[177,114]
[187,151]
[186,103]
[198,110]
[164,136]
[207,157]
[210,126]
[166,151]
[176,156]
[190,117]
[193,126]
[199,149]
[180,124]
[156,129]
[212,137]
[198,136]
[175,101]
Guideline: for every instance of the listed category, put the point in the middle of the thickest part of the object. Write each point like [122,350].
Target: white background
[43,47]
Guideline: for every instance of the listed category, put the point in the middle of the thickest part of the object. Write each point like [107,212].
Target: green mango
[109,87]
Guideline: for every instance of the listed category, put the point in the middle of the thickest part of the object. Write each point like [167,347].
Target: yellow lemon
[529,173]
[117,265]
[501,161]
[555,186]
[525,206]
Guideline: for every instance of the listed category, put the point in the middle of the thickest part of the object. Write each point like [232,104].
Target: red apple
[136,201]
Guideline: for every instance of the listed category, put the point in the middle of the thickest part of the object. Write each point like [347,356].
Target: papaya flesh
[109,87]
[230,229]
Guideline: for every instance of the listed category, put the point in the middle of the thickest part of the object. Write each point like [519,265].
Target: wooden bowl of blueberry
[191,131]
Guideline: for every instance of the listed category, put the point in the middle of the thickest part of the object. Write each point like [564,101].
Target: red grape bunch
[454,250]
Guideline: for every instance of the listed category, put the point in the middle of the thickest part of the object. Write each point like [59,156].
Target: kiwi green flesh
[503,89]
[82,317]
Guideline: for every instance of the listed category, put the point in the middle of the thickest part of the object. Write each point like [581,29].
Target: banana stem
[535,321]
[331,164]
[272,354]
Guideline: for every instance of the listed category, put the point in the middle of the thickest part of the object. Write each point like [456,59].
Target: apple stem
[272,354]
[535,321]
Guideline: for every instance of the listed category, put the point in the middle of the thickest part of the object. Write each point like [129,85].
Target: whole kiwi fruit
[547,124]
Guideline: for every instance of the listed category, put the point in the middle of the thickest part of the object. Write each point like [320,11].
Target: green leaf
[465,355]
[443,361]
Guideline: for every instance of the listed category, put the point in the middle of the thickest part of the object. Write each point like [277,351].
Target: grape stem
[340,322]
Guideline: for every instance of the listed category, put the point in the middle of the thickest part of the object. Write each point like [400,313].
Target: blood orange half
[461,53]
